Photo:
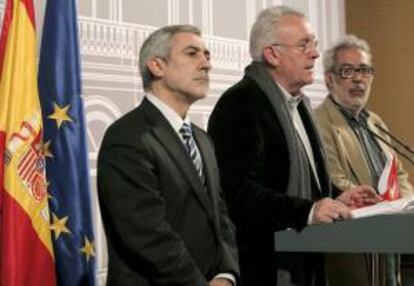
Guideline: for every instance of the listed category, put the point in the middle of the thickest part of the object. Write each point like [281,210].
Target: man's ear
[329,78]
[156,66]
[271,56]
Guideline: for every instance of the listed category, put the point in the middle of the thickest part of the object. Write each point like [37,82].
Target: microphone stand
[393,137]
[394,147]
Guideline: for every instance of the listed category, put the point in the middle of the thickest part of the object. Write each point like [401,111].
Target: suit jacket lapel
[168,138]
[316,144]
[212,183]
[350,144]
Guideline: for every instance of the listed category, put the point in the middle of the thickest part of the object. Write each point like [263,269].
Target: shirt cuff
[310,217]
[227,276]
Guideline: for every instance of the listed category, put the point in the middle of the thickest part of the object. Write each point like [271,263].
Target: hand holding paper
[359,196]
[403,205]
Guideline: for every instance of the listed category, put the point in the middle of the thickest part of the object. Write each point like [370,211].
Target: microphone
[395,138]
[396,148]
[392,146]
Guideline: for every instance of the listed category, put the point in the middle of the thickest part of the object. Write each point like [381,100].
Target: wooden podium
[377,234]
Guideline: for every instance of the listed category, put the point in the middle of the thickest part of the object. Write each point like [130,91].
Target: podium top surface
[377,234]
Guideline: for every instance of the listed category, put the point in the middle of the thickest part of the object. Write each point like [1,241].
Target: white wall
[111,32]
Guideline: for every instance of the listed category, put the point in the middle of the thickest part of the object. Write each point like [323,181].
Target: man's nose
[357,76]
[314,52]
[205,63]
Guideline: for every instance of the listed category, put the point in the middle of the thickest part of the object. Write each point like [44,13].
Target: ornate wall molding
[122,40]
[111,81]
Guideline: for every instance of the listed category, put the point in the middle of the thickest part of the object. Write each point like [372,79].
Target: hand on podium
[328,210]
[359,196]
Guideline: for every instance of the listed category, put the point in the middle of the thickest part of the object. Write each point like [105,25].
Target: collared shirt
[172,117]
[176,123]
[373,153]
[292,103]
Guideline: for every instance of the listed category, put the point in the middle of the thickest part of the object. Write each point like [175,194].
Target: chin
[354,106]
[198,96]
[308,81]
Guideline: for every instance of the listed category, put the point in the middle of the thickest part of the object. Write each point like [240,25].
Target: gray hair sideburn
[158,44]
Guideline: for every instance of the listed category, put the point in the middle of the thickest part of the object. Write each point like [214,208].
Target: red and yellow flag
[26,254]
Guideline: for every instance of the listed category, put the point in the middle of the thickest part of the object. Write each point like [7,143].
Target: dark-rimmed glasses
[348,71]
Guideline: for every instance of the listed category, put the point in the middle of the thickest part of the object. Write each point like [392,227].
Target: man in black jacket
[270,154]
[158,181]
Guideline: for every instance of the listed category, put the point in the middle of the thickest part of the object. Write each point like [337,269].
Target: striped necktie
[190,145]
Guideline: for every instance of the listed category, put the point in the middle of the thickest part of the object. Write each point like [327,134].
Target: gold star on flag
[59,225]
[60,114]
[88,249]
[46,149]
[49,195]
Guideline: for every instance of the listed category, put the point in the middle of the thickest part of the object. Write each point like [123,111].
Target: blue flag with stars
[65,146]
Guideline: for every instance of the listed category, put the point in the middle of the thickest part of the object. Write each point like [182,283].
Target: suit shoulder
[242,90]
[130,126]
[375,117]
[243,97]
[321,112]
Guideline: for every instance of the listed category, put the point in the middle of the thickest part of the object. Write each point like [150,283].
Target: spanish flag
[26,254]
[388,186]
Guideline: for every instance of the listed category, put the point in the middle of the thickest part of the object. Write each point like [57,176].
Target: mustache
[358,87]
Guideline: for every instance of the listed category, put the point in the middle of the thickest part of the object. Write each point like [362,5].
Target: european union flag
[65,145]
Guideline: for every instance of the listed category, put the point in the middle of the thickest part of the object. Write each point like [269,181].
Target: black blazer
[254,166]
[162,226]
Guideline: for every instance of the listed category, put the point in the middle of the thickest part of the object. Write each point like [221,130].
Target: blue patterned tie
[190,145]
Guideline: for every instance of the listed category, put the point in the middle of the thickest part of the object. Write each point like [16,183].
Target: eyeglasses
[348,71]
[304,47]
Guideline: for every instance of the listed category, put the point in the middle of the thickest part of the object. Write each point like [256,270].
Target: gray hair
[158,44]
[347,42]
[263,32]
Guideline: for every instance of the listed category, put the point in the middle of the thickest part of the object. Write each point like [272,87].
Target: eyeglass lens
[350,71]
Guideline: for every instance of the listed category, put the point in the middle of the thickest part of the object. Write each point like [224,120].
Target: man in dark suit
[158,181]
[270,154]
